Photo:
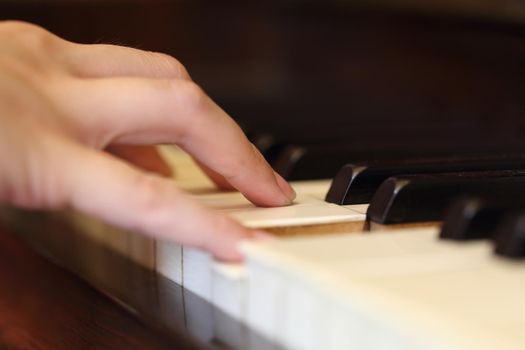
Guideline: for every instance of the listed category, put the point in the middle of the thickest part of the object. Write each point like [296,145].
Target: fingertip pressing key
[285,187]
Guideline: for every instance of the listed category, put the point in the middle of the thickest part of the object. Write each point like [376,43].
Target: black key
[475,218]
[356,183]
[420,198]
[318,161]
[509,240]
[305,162]
[270,147]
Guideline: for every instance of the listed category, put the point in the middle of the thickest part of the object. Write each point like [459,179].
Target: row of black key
[501,220]
[432,185]
[356,183]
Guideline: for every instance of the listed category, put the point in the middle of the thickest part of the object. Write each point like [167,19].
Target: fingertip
[225,241]
[235,254]
[286,189]
[230,252]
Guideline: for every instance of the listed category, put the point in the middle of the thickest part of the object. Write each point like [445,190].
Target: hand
[62,103]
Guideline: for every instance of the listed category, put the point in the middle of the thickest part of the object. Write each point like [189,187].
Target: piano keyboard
[379,86]
[331,282]
[402,290]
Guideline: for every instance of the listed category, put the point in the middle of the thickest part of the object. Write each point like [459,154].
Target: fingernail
[285,188]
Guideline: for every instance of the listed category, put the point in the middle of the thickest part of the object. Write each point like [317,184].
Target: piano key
[269,282]
[459,308]
[509,240]
[233,282]
[470,218]
[420,198]
[186,174]
[194,269]
[314,188]
[356,183]
[169,260]
[137,247]
[198,317]
[269,146]
[317,161]
[307,214]
[292,263]
[170,299]
[397,282]
[352,285]
[305,162]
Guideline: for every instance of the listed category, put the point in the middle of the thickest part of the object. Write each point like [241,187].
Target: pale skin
[63,104]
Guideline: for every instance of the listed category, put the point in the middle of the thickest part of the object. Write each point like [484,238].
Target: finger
[111,190]
[101,60]
[145,157]
[217,178]
[131,110]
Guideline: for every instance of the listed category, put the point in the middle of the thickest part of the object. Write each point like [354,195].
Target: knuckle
[172,65]
[148,189]
[150,193]
[190,95]
[30,35]
[18,26]
[40,186]
[190,100]
[222,226]
[30,50]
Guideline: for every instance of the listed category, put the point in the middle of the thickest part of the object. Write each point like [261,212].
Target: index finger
[140,110]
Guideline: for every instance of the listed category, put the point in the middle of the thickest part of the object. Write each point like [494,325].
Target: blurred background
[336,81]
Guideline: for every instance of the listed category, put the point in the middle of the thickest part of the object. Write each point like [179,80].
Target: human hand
[62,103]
[145,157]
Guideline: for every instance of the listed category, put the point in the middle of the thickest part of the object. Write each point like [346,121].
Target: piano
[401,127]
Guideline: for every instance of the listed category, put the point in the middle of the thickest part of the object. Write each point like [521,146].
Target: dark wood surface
[42,306]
